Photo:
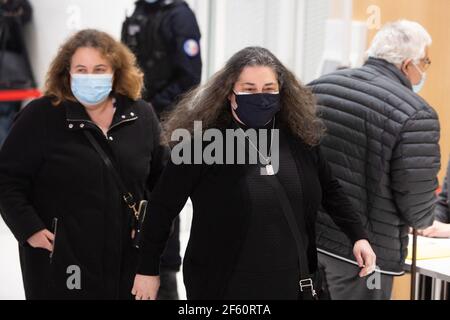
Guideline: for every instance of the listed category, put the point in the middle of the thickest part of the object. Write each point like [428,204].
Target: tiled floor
[11,287]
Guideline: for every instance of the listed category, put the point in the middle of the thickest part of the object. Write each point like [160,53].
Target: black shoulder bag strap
[306,282]
[128,198]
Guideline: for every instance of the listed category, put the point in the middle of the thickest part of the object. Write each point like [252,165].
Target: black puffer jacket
[382,144]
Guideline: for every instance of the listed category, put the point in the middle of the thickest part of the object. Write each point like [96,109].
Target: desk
[438,269]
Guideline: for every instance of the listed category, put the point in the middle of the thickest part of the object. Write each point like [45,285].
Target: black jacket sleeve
[20,159]
[336,203]
[414,167]
[160,153]
[188,69]
[442,212]
[168,198]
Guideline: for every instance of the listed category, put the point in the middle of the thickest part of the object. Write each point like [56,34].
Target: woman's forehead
[257,75]
[88,57]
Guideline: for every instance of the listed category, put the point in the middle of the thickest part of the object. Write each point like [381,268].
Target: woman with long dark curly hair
[252,233]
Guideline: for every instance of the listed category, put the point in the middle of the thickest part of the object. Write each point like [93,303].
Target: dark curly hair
[209,103]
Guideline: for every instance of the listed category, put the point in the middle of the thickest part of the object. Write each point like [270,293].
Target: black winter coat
[383,146]
[221,215]
[48,169]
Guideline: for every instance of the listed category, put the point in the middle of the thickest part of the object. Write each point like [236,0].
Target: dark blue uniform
[166,40]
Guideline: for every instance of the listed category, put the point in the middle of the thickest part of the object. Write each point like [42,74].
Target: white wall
[292,29]
[55,20]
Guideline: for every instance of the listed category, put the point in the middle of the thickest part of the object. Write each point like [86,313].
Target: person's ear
[232,99]
[405,66]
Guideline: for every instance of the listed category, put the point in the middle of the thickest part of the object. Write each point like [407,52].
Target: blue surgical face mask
[418,87]
[91,89]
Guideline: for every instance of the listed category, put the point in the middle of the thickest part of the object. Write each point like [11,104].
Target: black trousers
[342,281]
[170,265]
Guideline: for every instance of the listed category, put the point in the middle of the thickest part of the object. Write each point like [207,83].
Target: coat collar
[77,118]
[389,70]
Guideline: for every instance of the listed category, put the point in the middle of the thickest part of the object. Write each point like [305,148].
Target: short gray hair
[399,41]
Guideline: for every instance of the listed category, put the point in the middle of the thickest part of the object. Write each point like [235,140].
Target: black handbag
[138,211]
[15,68]
[307,282]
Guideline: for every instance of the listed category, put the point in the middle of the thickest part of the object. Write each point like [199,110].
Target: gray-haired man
[383,145]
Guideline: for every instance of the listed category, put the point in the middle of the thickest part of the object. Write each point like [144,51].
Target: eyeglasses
[427,63]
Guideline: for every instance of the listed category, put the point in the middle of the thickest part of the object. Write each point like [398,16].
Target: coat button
[123,117]
[70,126]
[110,138]
[81,125]
[132,114]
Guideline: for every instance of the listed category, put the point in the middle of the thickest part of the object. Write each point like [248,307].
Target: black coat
[221,211]
[383,145]
[49,169]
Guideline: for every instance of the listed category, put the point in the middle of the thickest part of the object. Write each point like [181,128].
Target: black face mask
[256,110]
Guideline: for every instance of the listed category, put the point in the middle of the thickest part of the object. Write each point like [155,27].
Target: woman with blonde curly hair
[58,195]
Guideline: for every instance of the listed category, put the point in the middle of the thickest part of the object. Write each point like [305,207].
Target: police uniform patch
[191,47]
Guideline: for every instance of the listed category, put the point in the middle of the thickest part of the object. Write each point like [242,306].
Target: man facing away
[383,145]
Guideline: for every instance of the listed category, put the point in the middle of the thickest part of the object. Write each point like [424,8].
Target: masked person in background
[383,145]
[252,233]
[165,37]
[57,195]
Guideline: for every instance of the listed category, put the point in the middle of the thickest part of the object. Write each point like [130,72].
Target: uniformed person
[165,37]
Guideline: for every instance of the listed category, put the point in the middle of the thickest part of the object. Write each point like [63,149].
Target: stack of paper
[430,248]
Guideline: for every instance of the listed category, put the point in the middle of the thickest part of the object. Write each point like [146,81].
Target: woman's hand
[437,230]
[42,239]
[145,287]
[365,257]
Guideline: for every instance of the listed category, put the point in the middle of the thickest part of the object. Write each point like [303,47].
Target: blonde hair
[128,79]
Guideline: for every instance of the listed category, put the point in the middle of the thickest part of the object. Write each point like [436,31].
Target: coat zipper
[55,230]
[97,127]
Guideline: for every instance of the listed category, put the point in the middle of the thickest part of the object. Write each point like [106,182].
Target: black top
[221,219]
[269,245]
[269,248]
